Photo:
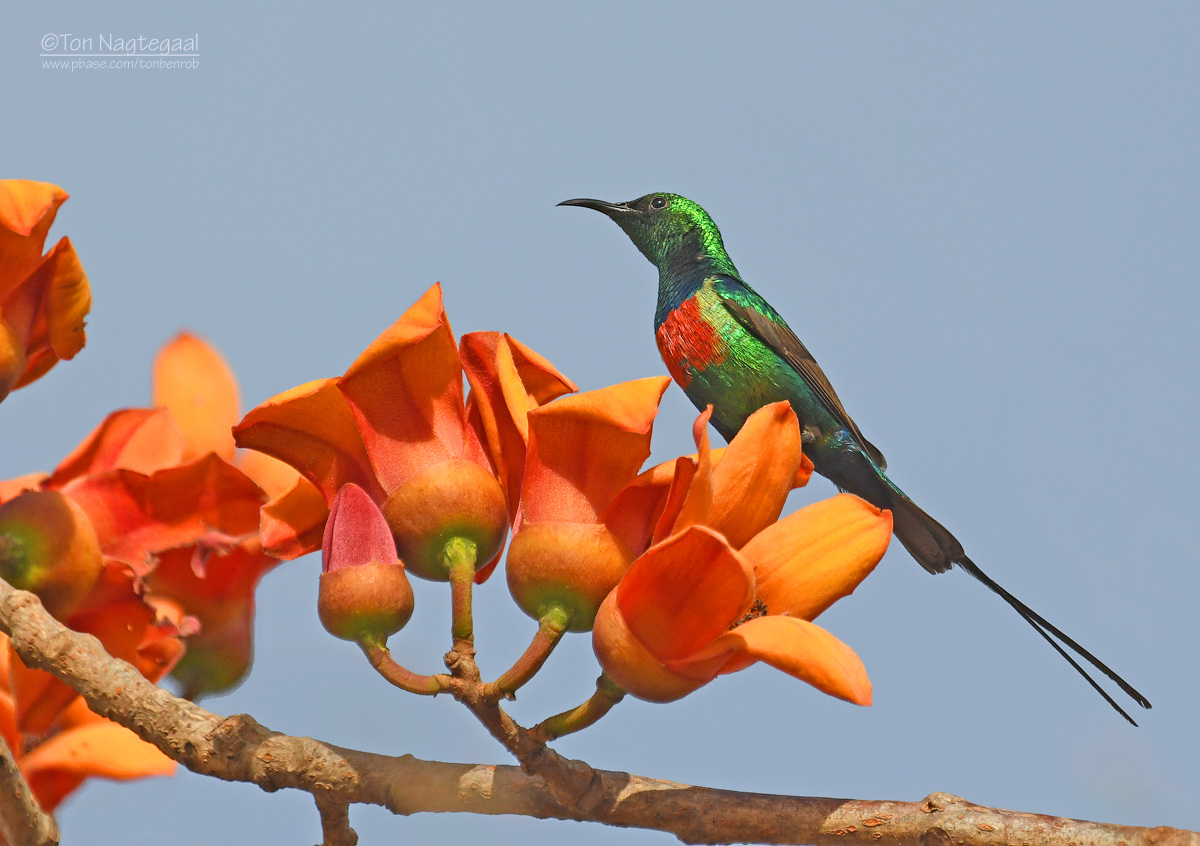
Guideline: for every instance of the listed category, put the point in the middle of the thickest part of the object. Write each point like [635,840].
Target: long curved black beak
[599,205]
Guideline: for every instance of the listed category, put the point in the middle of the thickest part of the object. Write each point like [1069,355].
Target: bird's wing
[780,338]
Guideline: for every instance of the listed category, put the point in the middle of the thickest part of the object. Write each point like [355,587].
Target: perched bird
[727,347]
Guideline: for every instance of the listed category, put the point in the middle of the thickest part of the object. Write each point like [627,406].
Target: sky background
[982,220]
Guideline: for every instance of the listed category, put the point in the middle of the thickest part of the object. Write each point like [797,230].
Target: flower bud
[48,546]
[453,499]
[364,595]
[569,566]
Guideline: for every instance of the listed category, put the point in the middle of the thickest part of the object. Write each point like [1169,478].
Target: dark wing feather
[780,338]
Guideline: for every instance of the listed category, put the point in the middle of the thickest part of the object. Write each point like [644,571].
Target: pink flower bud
[364,594]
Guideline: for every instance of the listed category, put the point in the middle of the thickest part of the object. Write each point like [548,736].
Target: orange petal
[804,650]
[27,210]
[661,475]
[136,516]
[812,558]
[138,439]
[507,380]
[8,712]
[753,478]
[312,428]
[541,379]
[129,629]
[293,522]
[642,504]
[68,301]
[11,487]
[584,449]
[684,592]
[686,473]
[272,475]
[195,384]
[630,664]
[697,507]
[102,749]
[218,590]
[37,695]
[406,392]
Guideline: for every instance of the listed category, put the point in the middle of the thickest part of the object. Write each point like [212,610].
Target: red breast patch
[688,343]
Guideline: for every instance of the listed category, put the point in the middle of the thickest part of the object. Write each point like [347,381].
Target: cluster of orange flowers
[155,531]
[146,535]
[683,571]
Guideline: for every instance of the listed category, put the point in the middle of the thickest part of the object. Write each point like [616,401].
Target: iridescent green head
[671,231]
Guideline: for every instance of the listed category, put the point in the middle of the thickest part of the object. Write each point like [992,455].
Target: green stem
[607,695]
[381,659]
[551,628]
[458,557]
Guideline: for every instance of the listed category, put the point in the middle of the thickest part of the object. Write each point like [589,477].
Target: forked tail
[937,551]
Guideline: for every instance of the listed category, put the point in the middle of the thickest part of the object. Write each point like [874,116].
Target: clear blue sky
[982,219]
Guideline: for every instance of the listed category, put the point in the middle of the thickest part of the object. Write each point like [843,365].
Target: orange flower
[43,299]
[584,450]
[174,518]
[398,426]
[693,606]
[679,619]
[75,745]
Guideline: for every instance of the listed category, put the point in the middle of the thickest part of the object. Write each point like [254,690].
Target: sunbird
[728,348]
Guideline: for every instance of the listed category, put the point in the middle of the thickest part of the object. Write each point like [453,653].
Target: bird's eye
[658,203]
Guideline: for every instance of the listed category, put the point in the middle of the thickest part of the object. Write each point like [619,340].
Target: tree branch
[239,749]
[21,818]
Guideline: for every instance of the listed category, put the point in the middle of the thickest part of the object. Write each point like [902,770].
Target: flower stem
[458,557]
[607,695]
[551,628]
[381,659]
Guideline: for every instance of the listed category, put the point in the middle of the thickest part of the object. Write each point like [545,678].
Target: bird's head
[667,228]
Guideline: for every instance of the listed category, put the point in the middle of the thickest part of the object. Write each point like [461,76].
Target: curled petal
[642,505]
[698,504]
[68,299]
[584,449]
[801,649]
[293,522]
[406,393]
[27,210]
[140,439]
[753,478]
[195,384]
[272,475]
[687,474]
[814,557]
[649,491]
[630,664]
[507,380]
[684,592]
[312,428]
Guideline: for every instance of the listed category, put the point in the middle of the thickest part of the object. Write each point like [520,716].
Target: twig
[335,822]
